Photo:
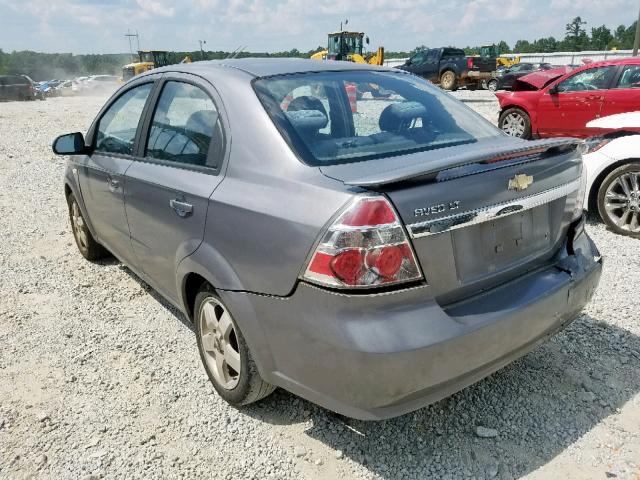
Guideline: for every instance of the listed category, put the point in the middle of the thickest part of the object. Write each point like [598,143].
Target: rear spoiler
[385,171]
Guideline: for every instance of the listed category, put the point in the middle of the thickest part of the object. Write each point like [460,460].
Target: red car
[560,102]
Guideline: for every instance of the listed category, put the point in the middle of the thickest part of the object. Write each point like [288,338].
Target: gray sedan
[372,255]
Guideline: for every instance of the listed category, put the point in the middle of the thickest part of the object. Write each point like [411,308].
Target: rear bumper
[379,356]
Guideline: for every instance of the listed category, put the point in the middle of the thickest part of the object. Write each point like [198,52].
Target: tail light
[469,62]
[365,247]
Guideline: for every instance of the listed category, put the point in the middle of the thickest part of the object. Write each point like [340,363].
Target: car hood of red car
[539,79]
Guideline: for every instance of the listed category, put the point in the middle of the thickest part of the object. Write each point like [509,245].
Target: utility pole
[636,42]
[202,42]
[129,36]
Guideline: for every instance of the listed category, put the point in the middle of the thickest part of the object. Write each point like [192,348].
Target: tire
[492,85]
[619,200]
[87,245]
[216,325]
[515,122]
[448,80]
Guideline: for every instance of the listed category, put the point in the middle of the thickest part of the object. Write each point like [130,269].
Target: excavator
[147,60]
[348,46]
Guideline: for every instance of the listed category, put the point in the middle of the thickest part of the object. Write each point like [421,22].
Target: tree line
[576,39]
[45,66]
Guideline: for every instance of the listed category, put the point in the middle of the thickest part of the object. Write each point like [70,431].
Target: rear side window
[630,77]
[185,127]
[116,130]
[341,117]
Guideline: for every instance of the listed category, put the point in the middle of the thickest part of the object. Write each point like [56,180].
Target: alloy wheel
[220,343]
[514,125]
[78,225]
[622,202]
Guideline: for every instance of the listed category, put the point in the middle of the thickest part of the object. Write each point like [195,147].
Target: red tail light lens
[365,247]
[469,63]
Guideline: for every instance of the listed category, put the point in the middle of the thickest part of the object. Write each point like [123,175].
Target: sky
[99,26]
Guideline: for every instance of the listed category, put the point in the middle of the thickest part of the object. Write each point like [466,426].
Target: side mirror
[366,39]
[554,90]
[70,144]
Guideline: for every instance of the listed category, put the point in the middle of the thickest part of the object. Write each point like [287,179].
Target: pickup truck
[449,67]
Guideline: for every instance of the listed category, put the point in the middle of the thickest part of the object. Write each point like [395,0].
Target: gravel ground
[99,377]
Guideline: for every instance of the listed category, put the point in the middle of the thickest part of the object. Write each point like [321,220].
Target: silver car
[370,253]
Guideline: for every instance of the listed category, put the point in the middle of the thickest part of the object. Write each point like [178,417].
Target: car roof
[614,61]
[266,67]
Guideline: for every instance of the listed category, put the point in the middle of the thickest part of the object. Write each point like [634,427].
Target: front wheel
[492,85]
[225,354]
[619,200]
[448,81]
[87,245]
[515,122]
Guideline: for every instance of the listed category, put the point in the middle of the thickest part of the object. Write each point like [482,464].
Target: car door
[566,109]
[415,63]
[102,172]
[624,96]
[177,170]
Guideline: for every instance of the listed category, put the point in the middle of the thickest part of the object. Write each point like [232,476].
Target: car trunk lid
[478,216]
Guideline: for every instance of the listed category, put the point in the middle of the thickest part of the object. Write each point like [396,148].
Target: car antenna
[239,51]
[230,55]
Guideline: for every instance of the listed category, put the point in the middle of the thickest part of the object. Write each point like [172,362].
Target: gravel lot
[99,377]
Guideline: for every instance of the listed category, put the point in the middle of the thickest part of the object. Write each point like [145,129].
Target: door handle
[182,208]
[594,97]
[113,183]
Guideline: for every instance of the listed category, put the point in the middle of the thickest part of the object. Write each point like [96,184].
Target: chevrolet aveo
[371,255]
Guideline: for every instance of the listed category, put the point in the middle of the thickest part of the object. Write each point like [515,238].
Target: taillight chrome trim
[488,213]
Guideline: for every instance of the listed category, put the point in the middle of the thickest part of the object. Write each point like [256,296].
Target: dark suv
[16,87]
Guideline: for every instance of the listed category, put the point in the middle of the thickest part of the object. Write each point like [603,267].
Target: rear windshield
[341,117]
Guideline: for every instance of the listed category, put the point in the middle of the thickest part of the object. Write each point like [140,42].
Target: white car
[101,84]
[612,164]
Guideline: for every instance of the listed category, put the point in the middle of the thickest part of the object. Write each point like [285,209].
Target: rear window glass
[341,117]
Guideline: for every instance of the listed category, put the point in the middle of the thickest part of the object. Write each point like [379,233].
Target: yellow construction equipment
[507,61]
[349,46]
[148,59]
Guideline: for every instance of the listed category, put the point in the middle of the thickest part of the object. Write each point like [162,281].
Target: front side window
[630,77]
[341,117]
[418,58]
[116,130]
[185,124]
[592,79]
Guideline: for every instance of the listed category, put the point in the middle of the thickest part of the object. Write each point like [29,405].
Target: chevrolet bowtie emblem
[520,182]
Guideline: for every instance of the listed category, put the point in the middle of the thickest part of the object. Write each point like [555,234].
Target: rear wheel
[88,246]
[225,354]
[515,122]
[448,80]
[492,85]
[619,200]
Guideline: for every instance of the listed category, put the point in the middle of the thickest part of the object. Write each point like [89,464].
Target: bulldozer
[147,60]
[348,46]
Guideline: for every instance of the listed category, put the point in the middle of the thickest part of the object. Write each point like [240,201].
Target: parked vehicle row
[367,261]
